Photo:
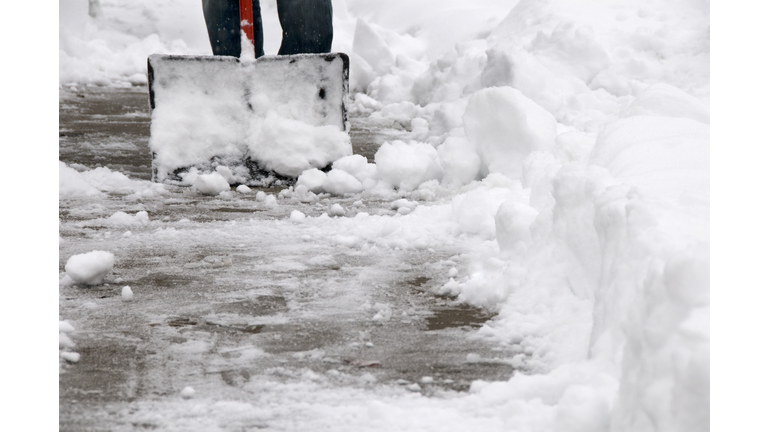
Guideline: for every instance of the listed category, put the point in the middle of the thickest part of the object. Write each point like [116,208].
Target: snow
[564,143]
[90,268]
[210,184]
[187,392]
[506,127]
[126,294]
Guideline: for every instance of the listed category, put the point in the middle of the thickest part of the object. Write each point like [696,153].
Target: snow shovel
[231,115]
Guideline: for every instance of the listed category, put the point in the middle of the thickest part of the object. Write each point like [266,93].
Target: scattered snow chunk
[270,201]
[297,216]
[452,272]
[339,182]
[71,357]
[406,166]
[473,358]
[121,218]
[261,196]
[89,268]
[367,378]
[127,294]
[413,387]
[243,189]
[337,210]
[427,380]
[65,341]
[187,392]
[313,179]
[210,184]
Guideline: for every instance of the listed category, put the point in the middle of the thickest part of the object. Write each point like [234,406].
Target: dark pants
[307,26]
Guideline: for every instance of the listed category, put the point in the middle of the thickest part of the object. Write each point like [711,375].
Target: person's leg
[307,26]
[222,17]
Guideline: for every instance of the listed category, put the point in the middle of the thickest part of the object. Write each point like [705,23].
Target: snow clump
[210,184]
[90,268]
[126,294]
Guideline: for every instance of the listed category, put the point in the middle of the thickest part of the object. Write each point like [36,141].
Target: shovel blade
[207,111]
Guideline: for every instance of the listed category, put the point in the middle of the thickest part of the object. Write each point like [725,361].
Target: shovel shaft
[246,18]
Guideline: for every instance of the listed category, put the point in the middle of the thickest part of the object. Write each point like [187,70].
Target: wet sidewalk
[229,292]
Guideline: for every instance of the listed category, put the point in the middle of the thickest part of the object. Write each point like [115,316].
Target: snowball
[403,203]
[427,379]
[506,127]
[297,216]
[70,356]
[65,341]
[358,167]
[312,179]
[270,201]
[413,387]
[210,184]
[127,294]
[340,183]
[337,210]
[243,189]
[406,166]
[89,268]
[187,392]
[261,196]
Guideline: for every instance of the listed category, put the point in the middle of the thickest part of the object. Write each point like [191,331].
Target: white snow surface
[570,138]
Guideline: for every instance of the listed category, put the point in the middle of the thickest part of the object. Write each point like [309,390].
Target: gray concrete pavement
[227,291]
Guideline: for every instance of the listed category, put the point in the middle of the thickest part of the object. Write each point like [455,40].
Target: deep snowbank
[603,255]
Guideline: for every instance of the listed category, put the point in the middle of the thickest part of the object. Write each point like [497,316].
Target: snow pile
[89,268]
[596,114]
[98,181]
[210,184]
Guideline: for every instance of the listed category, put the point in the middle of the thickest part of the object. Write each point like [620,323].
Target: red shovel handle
[246,18]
